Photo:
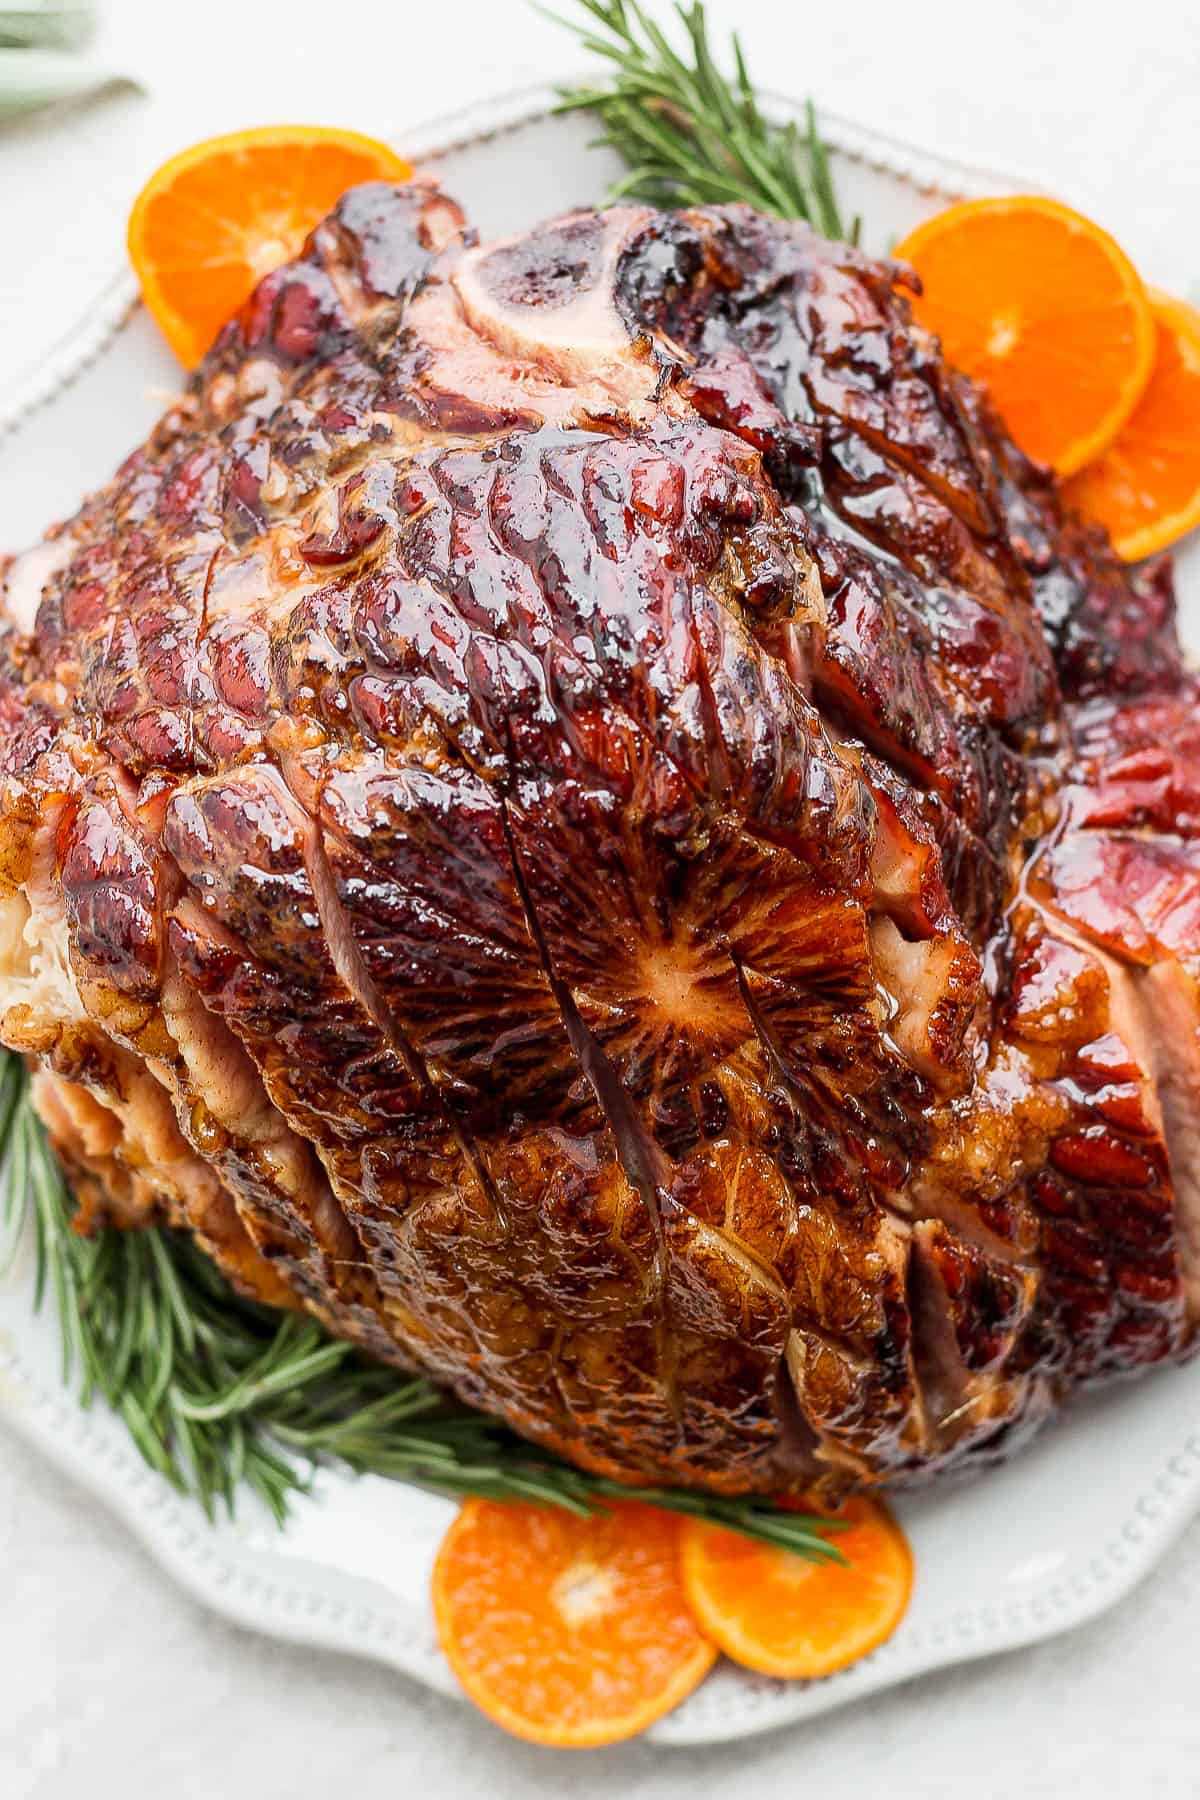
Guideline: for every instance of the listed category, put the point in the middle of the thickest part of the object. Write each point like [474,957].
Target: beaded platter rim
[245,1573]
[116,299]
[240,1572]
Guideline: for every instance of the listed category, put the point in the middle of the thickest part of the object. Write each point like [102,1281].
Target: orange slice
[215,219]
[774,1611]
[1041,305]
[1146,486]
[568,1631]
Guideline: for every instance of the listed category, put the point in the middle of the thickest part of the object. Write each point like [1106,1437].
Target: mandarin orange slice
[568,1631]
[1145,488]
[211,222]
[778,1613]
[1046,309]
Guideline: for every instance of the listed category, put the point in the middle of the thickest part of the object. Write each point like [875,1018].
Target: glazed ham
[579,811]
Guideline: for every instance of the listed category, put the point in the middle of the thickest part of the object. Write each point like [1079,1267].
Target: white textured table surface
[112,1684]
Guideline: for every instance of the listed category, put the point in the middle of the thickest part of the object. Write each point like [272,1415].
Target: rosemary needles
[691,135]
[220,1394]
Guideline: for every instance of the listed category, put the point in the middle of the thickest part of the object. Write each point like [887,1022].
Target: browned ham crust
[579,811]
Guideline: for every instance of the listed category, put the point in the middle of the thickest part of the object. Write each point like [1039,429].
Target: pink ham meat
[580,812]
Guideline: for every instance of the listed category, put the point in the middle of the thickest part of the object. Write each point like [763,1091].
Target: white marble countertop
[114,1684]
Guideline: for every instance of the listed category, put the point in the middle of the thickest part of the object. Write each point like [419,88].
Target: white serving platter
[1032,1549]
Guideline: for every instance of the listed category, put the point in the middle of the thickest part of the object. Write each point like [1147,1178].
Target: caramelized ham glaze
[579,811]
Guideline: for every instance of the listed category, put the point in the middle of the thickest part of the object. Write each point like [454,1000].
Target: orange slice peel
[1145,488]
[568,1631]
[780,1614]
[1044,307]
[211,222]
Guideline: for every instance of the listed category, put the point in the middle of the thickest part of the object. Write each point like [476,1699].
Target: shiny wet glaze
[638,844]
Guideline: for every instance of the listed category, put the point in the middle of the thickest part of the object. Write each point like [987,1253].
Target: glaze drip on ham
[580,812]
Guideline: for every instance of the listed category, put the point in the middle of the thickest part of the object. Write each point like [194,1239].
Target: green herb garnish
[42,60]
[217,1392]
[691,135]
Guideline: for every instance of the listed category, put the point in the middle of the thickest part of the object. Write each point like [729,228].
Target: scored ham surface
[580,811]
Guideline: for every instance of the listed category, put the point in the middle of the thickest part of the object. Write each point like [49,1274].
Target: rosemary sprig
[218,1393]
[690,134]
